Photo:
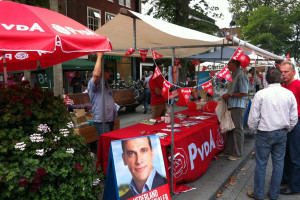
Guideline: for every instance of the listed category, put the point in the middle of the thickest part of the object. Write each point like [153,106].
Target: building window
[128,3]
[108,16]
[121,2]
[94,18]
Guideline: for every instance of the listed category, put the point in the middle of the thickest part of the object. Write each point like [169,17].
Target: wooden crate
[89,133]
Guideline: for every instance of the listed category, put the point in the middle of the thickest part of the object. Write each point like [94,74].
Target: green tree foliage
[294,19]
[178,11]
[266,30]
[276,31]
[242,8]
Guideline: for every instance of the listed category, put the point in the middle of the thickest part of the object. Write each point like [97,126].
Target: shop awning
[78,65]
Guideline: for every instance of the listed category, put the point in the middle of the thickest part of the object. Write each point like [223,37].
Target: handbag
[224,116]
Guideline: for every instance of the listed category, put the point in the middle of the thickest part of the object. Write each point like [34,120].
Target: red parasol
[30,34]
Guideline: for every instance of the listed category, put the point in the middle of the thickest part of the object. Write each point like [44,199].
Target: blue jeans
[266,143]
[147,98]
[109,126]
[291,172]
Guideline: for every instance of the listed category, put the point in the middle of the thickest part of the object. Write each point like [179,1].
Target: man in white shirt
[272,115]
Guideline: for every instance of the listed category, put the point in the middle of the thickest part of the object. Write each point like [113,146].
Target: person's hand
[226,96]
[99,54]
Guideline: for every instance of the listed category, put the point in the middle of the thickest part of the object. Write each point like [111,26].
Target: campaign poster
[139,168]
[203,77]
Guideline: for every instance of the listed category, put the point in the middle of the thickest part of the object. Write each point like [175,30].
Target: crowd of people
[274,120]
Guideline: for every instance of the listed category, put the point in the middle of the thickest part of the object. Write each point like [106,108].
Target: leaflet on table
[175,126]
[189,123]
[149,122]
[166,129]
[201,117]
[162,135]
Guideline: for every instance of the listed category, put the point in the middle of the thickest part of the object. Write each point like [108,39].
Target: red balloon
[192,105]
[210,106]
[245,62]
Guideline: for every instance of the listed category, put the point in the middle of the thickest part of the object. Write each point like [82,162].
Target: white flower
[40,152]
[44,128]
[96,182]
[70,125]
[36,137]
[64,131]
[56,138]
[92,154]
[70,150]
[21,146]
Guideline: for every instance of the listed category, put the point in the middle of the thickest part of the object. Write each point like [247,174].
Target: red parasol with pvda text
[30,35]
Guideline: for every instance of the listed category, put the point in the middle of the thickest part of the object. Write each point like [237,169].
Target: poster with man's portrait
[139,168]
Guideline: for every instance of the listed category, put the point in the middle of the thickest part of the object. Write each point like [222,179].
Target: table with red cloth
[194,147]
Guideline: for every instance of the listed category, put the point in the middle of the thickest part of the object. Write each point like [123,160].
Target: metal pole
[4,69]
[172,131]
[134,33]
[103,99]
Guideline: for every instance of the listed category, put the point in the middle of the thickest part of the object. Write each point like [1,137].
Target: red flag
[143,54]
[224,73]
[212,73]
[204,68]
[177,61]
[196,62]
[156,55]
[183,96]
[167,94]
[207,86]
[287,56]
[156,72]
[239,55]
[129,52]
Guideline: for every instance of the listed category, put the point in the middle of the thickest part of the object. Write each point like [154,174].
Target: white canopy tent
[129,29]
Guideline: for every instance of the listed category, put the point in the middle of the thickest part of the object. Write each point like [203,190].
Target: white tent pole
[250,46]
[4,69]
[172,130]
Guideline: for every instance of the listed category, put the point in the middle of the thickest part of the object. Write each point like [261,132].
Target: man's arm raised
[98,70]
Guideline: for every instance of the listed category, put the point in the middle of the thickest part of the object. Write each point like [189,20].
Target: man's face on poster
[138,156]
[174,74]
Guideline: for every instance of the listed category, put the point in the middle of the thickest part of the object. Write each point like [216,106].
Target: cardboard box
[79,112]
[79,120]
[117,124]
[89,133]
[82,125]
[89,115]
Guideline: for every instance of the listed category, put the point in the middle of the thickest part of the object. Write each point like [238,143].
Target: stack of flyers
[189,123]
[201,117]
[175,126]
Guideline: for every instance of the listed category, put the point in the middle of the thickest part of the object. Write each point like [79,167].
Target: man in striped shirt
[236,97]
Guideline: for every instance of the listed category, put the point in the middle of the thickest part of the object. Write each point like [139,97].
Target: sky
[223,6]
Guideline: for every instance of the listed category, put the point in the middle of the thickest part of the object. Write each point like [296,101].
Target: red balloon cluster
[192,106]
[210,106]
